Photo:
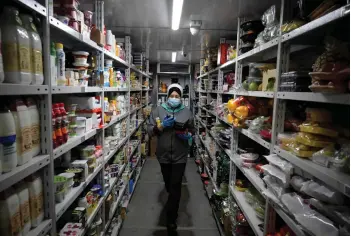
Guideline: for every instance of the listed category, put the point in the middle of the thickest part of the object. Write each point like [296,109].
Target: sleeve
[151,126]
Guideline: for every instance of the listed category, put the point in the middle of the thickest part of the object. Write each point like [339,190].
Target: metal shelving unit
[55,31]
[280,49]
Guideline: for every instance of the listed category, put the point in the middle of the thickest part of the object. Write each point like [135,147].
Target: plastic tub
[80,57]
[64,19]
[60,183]
[60,196]
[80,130]
[69,177]
[81,121]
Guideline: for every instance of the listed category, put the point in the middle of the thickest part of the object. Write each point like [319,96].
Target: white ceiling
[150,21]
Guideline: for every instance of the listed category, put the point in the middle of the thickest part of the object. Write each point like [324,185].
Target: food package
[312,221]
[273,186]
[277,173]
[271,24]
[256,125]
[302,150]
[341,162]
[313,140]
[324,156]
[285,140]
[283,165]
[322,193]
[296,182]
[316,128]
[290,26]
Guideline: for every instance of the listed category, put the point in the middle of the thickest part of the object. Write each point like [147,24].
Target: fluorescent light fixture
[174,56]
[177,13]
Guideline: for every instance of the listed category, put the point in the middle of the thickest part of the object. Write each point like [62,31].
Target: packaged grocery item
[35,126]
[10,213]
[8,143]
[15,48]
[23,123]
[302,150]
[80,57]
[295,81]
[313,140]
[277,173]
[285,139]
[341,162]
[61,57]
[312,221]
[273,186]
[35,187]
[53,64]
[318,128]
[324,156]
[36,50]
[283,165]
[23,196]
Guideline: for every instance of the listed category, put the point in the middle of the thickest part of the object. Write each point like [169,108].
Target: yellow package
[318,115]
[302,150]
[313,140]
[316,128]
[285,140]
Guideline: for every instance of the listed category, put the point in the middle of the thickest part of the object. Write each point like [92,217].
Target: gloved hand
[168,122]
[184,136]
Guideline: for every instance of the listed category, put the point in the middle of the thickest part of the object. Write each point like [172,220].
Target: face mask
[174,102]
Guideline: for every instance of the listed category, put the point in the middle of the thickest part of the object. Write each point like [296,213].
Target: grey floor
[146,213]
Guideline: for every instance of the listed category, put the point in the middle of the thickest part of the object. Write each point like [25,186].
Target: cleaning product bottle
[10,215]
[15,48]
[35,187]
[2,75]
[53,64]
[61,57]
[36,50]
[23,131]
[8,153]
[35,125]
[23,196]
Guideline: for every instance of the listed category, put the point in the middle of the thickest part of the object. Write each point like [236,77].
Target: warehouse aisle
[146,214]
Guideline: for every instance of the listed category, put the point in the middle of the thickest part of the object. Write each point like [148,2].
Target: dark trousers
[173,175]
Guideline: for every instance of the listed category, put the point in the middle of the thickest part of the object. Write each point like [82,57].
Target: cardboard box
[98,37]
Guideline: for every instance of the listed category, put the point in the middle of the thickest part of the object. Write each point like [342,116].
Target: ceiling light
[177,13]
[174,56]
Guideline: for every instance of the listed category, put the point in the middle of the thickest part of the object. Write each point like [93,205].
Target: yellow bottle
[111,80]
[158,122]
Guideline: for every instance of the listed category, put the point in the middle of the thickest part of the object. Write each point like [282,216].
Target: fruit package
[302,150]
[313,140]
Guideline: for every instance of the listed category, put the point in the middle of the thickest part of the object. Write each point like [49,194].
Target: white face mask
[174,102]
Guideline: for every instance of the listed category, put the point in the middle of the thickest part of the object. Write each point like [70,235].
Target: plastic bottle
[64,122]
[61,57]
[22,119]
[58,122]
[53,65]
[53,119]
[106,104]
[23,196]
[36,50]
[15,48]
[10,215]
[2,75]
[35,125]
[8,153]
[35,187]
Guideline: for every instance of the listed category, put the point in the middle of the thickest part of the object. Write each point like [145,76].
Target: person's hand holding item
[168,122]
[186,136]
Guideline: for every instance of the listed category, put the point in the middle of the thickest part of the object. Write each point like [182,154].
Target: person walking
[173,125]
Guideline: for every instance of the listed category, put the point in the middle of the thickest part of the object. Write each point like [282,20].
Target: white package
[297,182]
[275,172]
[322,193]
[311,220]
[273,186]
[283,165]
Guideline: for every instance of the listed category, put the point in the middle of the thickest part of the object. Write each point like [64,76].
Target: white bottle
[36,51]
[23,196]
[53,64]
[61,57]
[2,75]
[10,216]
[35,187]
[23,131]
[8,146]
[35,125]
[15,48]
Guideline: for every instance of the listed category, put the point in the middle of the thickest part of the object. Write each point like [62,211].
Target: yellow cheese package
[316,128]
[285,139]
[301,150]
[313,140]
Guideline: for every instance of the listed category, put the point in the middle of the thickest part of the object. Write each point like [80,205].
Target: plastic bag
[256,124]
[296,182]
[278,174]
[283,165]
[324,156]
[313,140]
[322,193]
[313,222]
[272,186]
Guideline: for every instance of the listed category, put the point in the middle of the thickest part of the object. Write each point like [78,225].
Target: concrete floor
[146,214]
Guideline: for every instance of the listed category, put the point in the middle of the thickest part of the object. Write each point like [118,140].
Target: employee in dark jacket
[172,123]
